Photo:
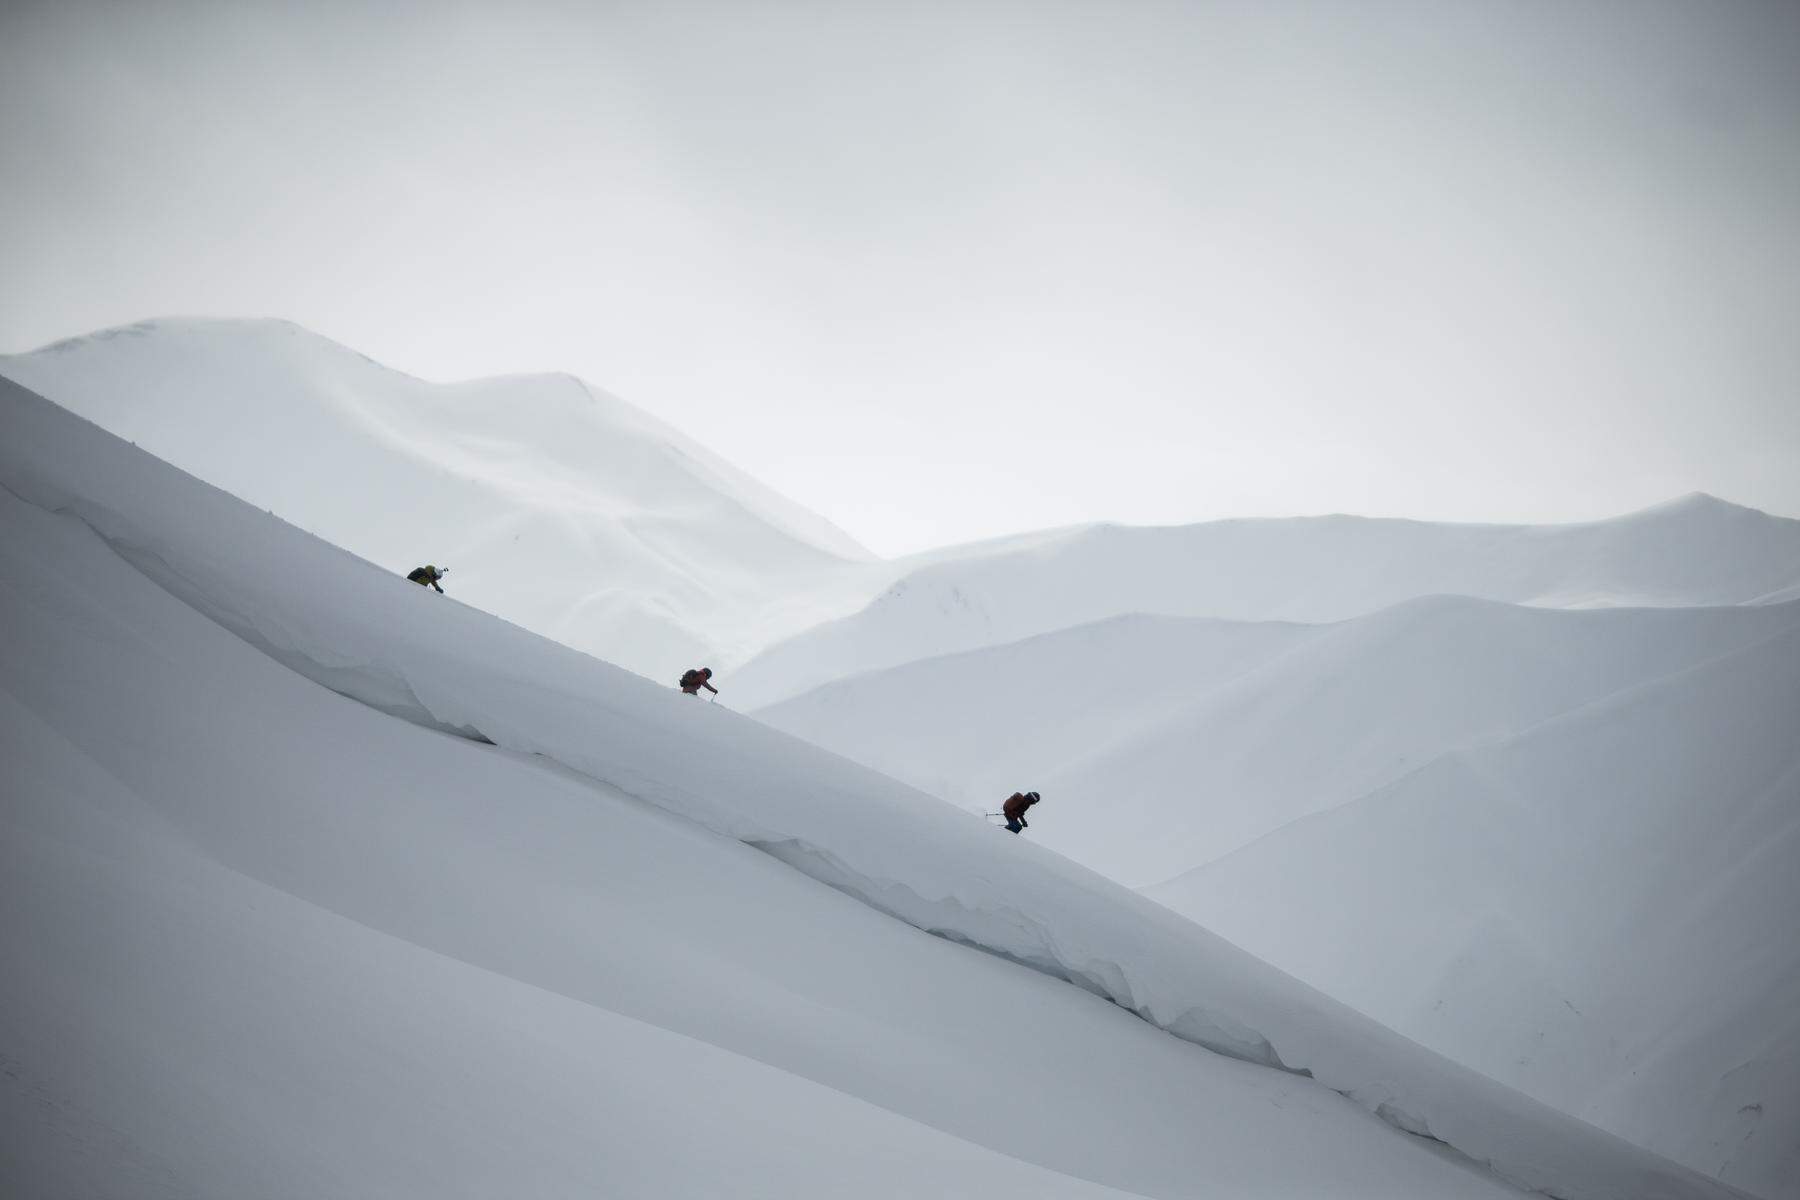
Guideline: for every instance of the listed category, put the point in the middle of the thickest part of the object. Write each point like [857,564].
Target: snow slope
[973,727]
[405,965]
[1694,551]
[265,940]
[557,506]
[1162,743]
[1599,910]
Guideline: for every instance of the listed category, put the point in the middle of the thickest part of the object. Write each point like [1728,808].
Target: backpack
[691,680]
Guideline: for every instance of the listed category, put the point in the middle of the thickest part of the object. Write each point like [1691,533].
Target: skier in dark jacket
[1014,810]
[695,679]
[428,576]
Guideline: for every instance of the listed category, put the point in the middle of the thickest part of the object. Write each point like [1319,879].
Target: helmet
[1032,796]
[706,671]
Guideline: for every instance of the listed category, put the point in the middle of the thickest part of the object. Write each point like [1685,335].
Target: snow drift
[363,633]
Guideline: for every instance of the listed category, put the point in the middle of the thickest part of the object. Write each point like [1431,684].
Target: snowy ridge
[1690,552]
[556,505]
[364,633]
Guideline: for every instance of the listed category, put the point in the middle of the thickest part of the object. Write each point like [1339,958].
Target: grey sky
[940,271]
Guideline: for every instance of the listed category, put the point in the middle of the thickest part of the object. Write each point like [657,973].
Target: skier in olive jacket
[428,576]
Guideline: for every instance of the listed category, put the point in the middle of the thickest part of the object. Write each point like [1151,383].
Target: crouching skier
[428,576]
[1014,810]
[696,678]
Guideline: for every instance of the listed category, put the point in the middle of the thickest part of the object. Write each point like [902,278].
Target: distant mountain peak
[564,507]
[1695,503]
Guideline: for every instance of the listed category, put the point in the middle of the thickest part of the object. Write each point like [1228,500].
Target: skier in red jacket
[1014,810]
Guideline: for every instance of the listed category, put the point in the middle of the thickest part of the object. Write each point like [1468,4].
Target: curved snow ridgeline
[368,634]
[559,506]
[1692,552]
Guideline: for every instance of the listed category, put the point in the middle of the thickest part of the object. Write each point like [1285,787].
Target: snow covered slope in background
[1161,743]
[263,939]
[557,506]
[1694,551]
[1599,911]
[1611,932]
[961,726]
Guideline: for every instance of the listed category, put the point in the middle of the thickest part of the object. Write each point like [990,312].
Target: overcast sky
[940,271]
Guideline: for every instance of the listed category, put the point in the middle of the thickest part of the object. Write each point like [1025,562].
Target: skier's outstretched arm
[709,687]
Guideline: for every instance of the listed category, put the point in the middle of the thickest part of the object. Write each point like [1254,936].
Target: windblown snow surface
[1689,552]
[481,915]
[557,506]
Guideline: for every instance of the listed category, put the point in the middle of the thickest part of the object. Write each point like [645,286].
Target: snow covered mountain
[317,884]
[1599,910]
[1649,988]
[1164,742]
[1694,551]
[557,506]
